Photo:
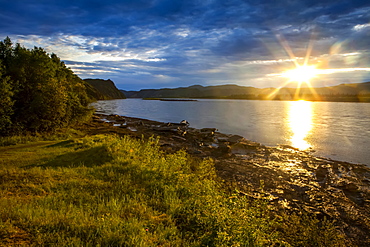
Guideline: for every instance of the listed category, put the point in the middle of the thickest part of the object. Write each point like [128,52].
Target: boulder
[223,149]
[244,148]
[235,139]
[185,122]
[208,130]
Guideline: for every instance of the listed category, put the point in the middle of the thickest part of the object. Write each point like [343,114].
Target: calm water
[335,130]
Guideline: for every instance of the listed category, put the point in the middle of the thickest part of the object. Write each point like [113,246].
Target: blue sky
[169,43]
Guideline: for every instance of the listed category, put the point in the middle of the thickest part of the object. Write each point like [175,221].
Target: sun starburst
[300,73]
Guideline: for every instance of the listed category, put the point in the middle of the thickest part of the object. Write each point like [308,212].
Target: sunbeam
[301,73]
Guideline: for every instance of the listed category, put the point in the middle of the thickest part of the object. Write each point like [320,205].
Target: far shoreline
[233,98]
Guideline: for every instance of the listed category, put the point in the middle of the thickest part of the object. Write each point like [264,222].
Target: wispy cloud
[178,43]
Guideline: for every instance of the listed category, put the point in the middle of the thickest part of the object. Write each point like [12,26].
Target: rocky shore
[291,180]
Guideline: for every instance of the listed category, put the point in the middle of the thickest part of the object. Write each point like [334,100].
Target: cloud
[139,43]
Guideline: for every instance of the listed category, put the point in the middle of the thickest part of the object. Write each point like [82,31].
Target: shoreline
[341,142]
[289,179]
[356,100]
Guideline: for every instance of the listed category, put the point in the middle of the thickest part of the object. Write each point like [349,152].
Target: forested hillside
[38,92]
[105,88]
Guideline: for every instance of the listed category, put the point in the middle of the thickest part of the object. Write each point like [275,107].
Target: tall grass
[111,191]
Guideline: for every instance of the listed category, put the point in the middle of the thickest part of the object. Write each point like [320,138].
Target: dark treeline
[38,93]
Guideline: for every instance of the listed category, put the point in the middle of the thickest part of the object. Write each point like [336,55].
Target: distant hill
[343,92]
[195,91]
[92,92]
[104,89]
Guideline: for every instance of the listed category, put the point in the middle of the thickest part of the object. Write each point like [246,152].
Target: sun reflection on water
[300,123]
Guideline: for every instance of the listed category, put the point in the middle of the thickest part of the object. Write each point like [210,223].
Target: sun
[302,73]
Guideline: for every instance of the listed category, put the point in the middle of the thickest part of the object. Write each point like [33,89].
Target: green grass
[60,134]
[110,191]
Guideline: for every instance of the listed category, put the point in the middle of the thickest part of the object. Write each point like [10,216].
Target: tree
[6,102]
[46,95]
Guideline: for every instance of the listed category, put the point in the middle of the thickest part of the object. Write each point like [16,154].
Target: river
[336,130]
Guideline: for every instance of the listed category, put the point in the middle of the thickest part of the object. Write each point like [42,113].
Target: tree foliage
[6,102]
[38,92]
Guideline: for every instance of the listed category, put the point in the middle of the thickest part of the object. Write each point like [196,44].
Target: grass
[60,134]
[109,191]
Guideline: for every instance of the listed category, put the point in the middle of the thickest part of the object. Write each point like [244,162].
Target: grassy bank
[110,191]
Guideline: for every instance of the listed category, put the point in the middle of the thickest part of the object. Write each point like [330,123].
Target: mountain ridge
[357,92]
[104,89]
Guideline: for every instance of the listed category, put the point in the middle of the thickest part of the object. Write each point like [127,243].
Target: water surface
[337,130]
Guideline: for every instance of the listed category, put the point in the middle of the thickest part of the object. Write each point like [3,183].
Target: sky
[142,44]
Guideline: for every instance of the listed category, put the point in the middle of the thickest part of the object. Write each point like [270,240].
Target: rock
[167,144]
[207,133]
[351,187]
[184,122]
[223,148]
[214,145]
[321,173]
[208,130]
[96,118]
[195,151]
[180,138]
[116,117]
[222,139]
[243,148]
[165,128]
[285,146]
[204,135]
[235,139]
[181,132]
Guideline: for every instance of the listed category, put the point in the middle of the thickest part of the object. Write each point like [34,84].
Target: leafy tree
[46,94]
[6,102]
